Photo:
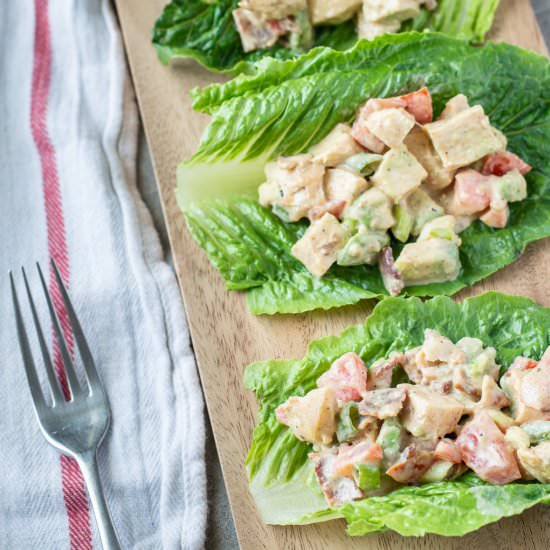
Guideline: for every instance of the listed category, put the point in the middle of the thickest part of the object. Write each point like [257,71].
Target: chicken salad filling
[425,415]
[397,171]
[263,23]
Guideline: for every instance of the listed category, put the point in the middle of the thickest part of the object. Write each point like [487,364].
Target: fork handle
[90,471]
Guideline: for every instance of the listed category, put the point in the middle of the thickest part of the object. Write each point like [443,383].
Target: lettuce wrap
[281,477]
[288,106]
[205,31]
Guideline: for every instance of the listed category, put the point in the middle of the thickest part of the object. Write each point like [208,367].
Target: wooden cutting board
[226,337]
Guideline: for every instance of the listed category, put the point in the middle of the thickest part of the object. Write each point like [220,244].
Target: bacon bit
[331,207]
[383,403]
[391,277]
[448,450]
[412,464]
[499,164]
[419,104]
[347,377]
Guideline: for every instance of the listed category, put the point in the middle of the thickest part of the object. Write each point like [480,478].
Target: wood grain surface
[226,337]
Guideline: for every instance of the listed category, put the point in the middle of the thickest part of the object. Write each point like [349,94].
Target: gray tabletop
[221,531]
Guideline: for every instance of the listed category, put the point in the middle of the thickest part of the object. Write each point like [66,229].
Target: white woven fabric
[68,190]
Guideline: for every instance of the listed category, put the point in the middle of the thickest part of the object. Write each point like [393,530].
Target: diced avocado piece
[330,12]
[348,419]
[282,212]
[443,227]
[367,476]
[438,471]
[511,187]
[335,147]
[423,209]
[398,10]
[363,163]
[484,363]
[390,438]
[403,221]
[373,208]
[363,247]
[463,138]
[432,261]
[538,431]
[399,173]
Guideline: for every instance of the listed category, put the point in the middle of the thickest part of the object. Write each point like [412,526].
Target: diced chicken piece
[443,227]
[486,452]
[299,182]
[471,194]
[434,372]
[362,452]
[364,136]
[337,490]
[496,217]
[257,30]
[343,185]
[383,403]
[448,450]
[419,104]
[335,147]
[464,138]
[318,248]
[499,164]
[455,105]
[491,395]
[420,146]
[437,348]
[512,384]
[371,29]
[399,173]
[390,126]
[428,414]
[432,261]
[379,10]
[390,275]
[373,208]
[347,377]
[411,465]
[311,418]
[534,389]
[536,461]
[334,207]
[275,9]
[381,371]
[328,11]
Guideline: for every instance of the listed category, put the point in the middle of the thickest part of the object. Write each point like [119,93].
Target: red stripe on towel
[74,491]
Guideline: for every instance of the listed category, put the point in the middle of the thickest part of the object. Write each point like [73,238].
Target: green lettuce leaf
[204,30]
[281,477]
[287,106]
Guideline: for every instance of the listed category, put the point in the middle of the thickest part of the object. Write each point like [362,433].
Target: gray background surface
[221,532]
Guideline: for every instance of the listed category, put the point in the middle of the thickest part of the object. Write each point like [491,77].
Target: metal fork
[76,427]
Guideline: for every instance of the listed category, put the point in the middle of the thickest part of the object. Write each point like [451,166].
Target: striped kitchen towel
[69,127]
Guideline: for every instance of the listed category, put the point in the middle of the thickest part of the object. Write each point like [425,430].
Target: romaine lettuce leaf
[204,30]
[281,477]
[286,106]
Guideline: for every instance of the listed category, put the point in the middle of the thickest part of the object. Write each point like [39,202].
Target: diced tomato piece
[448,450]
[364,452]
[419,104]
[486,452]
[471,193]
[496,217]
[347,377]
[498,164]
[332,207]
